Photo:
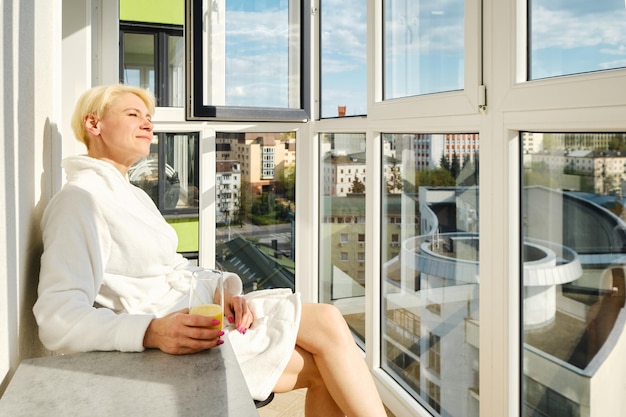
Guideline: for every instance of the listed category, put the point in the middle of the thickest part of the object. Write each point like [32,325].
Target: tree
[245,202]
[357,186]
[263,204]
[288,180]
[443,162]
[455,166]
[394,182]
[439,177]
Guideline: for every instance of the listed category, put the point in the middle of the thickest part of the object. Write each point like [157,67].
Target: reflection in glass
[573,282]
[170,173]
[342,226]
[170,176]
[343,59]
[255,207]
[570,37]
[139,60]
[430,247]
[423,47]
[152,57]
[181,165]
[251,53]
[176,71]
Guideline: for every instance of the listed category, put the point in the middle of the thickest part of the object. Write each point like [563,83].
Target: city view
[572,287]
[571,282]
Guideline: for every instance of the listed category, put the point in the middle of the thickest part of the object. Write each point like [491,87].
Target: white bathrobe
[110,266]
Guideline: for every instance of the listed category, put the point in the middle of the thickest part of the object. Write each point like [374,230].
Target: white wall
[29,135]
[46,61]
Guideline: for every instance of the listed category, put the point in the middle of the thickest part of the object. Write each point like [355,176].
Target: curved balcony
[454,257]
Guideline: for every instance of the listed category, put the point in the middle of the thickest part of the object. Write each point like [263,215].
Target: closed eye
[137,115]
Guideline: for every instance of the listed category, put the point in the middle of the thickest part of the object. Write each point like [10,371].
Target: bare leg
[302,372]
[325,335]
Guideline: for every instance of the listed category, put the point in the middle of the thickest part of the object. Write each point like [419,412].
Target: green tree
[394,183]
[443,162]
[357,186]
[244,205]
[439,177]
[288,182]
[455,166]
[263,204]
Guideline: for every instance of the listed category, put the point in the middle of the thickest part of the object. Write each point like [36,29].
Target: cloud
[567,29]
[338,65]
[257,28]
[428,27]
[344,30]
[620,50]
[620,63]
[587,36]
[257,53]
[256,81]
[345,42]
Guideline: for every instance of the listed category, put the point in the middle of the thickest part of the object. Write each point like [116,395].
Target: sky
[574,36]
[423,43]
[344,57]
[257,51]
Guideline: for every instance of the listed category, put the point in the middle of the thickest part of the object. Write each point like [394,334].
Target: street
[263,234]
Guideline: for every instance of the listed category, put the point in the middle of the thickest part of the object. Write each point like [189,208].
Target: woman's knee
[301,372]
[328,313]
[326,321]
[336,318]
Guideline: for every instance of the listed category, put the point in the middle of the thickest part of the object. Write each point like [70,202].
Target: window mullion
[162,59]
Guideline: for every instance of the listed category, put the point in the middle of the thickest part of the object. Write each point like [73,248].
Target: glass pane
[430,304]
[252,53]
[255,207]
[343,59]
[145,172]
[176,71]
[570,37]
[139,60]
[170,176]
[423,47]
[182,171]
[342,226]
[573,285]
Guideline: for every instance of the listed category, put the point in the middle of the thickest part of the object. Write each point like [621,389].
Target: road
[264,234]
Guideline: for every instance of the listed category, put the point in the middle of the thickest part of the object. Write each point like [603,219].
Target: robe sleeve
[76,243]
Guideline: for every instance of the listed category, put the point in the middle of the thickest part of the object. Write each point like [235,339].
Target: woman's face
[125,131]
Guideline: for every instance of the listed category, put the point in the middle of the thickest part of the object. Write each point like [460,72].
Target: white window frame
[570,103]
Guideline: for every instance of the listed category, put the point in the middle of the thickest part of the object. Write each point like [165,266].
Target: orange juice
[209,310]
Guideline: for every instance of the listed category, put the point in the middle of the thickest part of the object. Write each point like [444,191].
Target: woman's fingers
[181,333]
[238,313]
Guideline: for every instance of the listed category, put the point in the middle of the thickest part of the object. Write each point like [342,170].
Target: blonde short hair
[97,100]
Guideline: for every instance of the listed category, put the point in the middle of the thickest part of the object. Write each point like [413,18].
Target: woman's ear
[92,125]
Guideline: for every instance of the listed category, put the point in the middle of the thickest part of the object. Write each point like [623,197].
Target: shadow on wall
[50,180]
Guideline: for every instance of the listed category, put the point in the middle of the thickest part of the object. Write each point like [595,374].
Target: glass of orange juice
[207,294]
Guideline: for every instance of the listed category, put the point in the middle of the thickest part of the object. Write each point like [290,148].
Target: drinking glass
[206,296]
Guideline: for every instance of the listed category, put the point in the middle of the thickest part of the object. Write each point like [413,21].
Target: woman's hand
[181,333]
[237,312]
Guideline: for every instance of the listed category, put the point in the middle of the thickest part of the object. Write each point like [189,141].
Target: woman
[111,278]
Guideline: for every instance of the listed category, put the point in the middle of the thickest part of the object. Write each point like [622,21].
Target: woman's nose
[147,124]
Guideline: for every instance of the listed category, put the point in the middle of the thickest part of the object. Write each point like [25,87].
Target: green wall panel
[187,231]
[154,11]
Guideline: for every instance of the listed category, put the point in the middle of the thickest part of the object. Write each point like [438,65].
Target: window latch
[482,99]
